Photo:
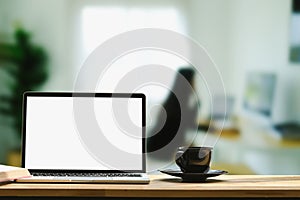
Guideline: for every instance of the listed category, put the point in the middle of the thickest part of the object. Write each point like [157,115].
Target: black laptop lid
[84,131]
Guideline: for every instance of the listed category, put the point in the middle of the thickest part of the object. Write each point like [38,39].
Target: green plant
[28,72]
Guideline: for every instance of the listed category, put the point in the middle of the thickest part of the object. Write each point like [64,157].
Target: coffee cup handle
[179,159]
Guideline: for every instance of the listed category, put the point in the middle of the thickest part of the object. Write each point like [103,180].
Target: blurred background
[254,43]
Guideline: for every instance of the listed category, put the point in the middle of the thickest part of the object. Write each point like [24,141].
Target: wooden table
[167,186]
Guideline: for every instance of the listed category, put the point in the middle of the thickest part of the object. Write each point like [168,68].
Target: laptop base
[144,179]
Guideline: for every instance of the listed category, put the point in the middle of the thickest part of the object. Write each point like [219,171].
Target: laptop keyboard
[86,174]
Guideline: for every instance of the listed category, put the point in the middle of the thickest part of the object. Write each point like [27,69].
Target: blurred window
[100,23]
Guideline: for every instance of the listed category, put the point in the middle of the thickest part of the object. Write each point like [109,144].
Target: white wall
[209,26]
[260,41]
[241,35]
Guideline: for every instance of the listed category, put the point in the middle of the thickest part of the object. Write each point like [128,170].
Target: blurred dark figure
[178,117]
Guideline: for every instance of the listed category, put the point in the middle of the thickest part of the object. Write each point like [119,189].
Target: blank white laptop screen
[53,140]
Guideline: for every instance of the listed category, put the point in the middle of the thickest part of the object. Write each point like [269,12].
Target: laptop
[84,137]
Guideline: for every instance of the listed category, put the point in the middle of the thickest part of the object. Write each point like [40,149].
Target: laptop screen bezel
[84,94]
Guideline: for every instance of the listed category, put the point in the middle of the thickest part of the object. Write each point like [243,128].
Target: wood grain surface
[167,186]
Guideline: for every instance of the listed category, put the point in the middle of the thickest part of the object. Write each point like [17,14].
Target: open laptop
[84,137]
